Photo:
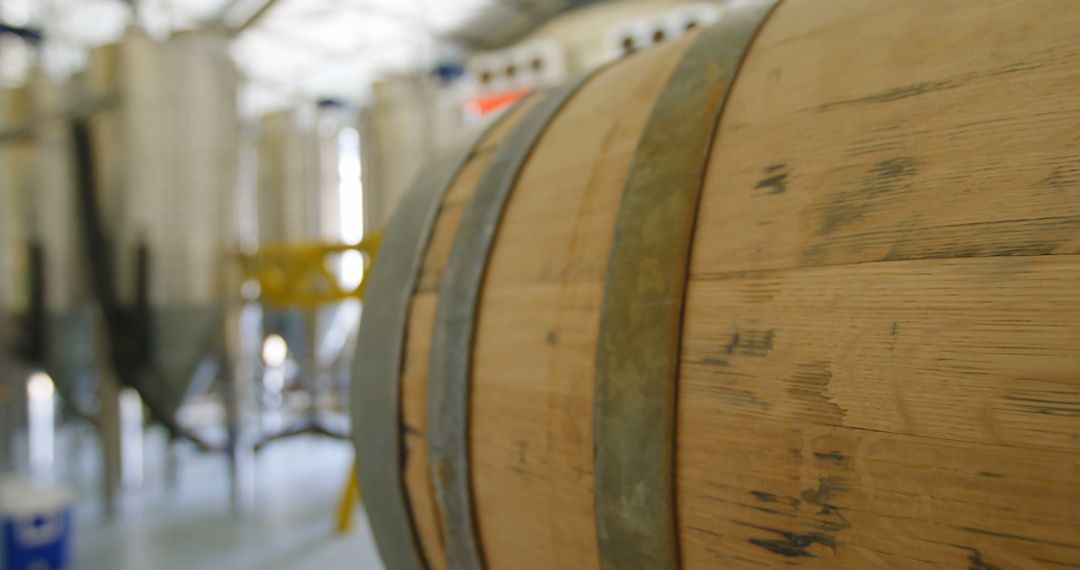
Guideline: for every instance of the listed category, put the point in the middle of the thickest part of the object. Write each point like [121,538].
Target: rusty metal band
[376,373]
[455,320]
[641,316]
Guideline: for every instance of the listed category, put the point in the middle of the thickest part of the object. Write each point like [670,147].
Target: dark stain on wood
[793,544]
[406,449]
[989,474]
[826,487]
[1043,406]
[834,457]
[790,544]
[751,343]
[809,386]
[820,498]
[1052,411]
[1065,169]
[826,521]
[885,173]
[766,497]
[775,180]
[836,521]
[551,338]
[789,547]
[1064,177]
[1017,67]
[724,389]
[1035,236]
[871,191]
[715,361]
[895,94]
[977,562]
[1061,563]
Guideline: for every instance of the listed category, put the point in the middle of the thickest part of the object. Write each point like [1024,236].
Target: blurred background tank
[16,189]
[68,352]
[165,162]
[310,215]
[15,163]
[289,194]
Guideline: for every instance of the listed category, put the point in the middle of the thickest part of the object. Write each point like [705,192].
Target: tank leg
[7,406]
[131,436]
[239,374]
[111,459]
[172,464]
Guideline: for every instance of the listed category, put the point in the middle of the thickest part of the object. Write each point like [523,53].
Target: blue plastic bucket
[35,527]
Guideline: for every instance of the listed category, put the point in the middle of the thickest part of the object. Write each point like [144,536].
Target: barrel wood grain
[765,493]
[981,350]
[944,130]
[880,363]
[963,372]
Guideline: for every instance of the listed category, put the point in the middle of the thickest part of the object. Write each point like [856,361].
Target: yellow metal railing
[303,274]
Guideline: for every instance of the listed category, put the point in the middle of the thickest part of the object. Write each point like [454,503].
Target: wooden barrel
[800,289]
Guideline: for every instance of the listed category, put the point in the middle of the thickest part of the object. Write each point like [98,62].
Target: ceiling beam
[223,15]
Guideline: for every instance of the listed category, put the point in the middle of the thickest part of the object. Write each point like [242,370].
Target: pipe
[33,36]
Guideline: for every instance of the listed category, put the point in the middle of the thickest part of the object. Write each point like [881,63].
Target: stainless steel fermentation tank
[14,166]
[40,263]
[308,195]
[164,161]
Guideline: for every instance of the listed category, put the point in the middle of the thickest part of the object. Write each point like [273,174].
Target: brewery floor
[190,527]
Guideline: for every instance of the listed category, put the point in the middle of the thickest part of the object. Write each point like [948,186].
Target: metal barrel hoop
[641,314]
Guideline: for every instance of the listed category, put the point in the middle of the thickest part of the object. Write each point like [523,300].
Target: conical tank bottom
[70,358]
[183,337]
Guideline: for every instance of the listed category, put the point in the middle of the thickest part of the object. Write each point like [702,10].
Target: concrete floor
[191,528]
